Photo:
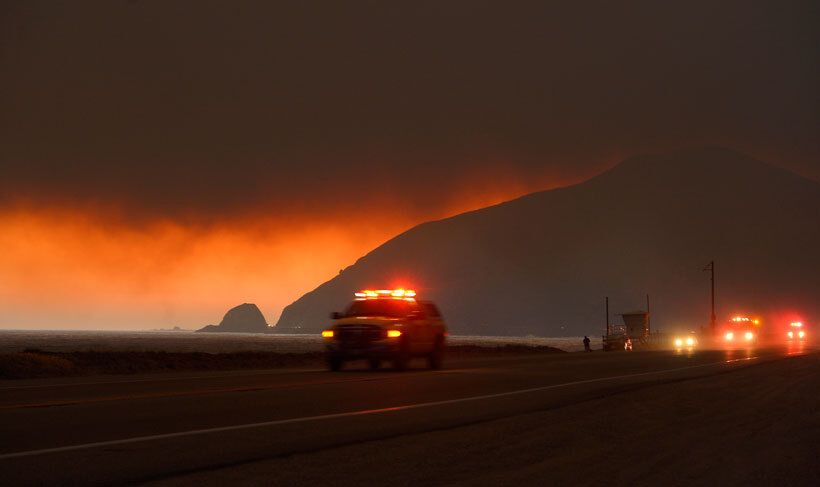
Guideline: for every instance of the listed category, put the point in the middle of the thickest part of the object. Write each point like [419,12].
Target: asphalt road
[306,426]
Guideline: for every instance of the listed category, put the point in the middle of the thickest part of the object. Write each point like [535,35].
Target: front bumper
[378,349]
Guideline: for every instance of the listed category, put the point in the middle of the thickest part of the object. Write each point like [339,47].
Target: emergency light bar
[744,319]
[386,293]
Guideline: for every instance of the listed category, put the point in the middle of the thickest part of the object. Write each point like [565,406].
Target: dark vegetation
[33,363]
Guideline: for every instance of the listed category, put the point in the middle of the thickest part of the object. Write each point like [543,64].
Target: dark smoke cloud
[213,107]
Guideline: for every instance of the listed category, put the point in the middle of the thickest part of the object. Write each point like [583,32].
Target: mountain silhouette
[542,264]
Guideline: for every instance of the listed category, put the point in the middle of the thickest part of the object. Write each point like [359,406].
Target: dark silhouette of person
[586,344]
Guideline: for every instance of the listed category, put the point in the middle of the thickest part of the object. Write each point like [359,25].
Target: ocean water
[187,341]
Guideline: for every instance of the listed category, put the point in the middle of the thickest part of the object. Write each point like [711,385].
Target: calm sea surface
[186,341]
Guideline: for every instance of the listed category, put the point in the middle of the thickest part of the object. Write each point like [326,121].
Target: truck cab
[796,331]
[386,325]
[741,330]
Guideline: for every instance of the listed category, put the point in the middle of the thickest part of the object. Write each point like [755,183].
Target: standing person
[586,344]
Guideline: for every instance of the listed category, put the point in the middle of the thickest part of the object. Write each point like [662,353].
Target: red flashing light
[386,293]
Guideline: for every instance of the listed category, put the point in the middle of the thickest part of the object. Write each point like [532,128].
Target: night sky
[163,161]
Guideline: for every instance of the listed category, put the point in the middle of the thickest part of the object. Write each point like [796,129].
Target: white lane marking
[140,439]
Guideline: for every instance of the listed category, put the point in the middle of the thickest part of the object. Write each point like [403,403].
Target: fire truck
[741,330]
[386,325]
[796,332]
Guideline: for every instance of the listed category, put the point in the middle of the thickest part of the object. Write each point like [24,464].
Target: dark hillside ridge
[542,264]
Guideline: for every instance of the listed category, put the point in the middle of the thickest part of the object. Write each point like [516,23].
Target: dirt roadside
[759,425]
[32,364]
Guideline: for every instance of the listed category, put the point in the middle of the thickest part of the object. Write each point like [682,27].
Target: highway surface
[580,417]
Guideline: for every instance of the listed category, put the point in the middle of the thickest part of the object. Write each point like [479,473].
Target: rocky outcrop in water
[245,318]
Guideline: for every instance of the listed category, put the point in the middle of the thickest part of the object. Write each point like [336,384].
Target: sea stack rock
[245,318]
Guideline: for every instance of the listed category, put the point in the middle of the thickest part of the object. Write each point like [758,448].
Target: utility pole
[648,317]
[607,316]
[713,320]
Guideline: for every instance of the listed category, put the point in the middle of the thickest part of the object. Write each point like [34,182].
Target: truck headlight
[690,341]
[749,335]
[730,336]
[678,342]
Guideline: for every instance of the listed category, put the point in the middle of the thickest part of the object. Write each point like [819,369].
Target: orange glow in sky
[78,269]
[66,270]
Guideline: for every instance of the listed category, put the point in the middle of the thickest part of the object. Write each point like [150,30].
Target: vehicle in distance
[688,341]
[386,325]
[796,331]
[741,330]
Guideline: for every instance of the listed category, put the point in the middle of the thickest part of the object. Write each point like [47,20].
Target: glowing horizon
[85,268]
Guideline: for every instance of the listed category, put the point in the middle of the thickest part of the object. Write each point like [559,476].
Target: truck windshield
[392,308]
